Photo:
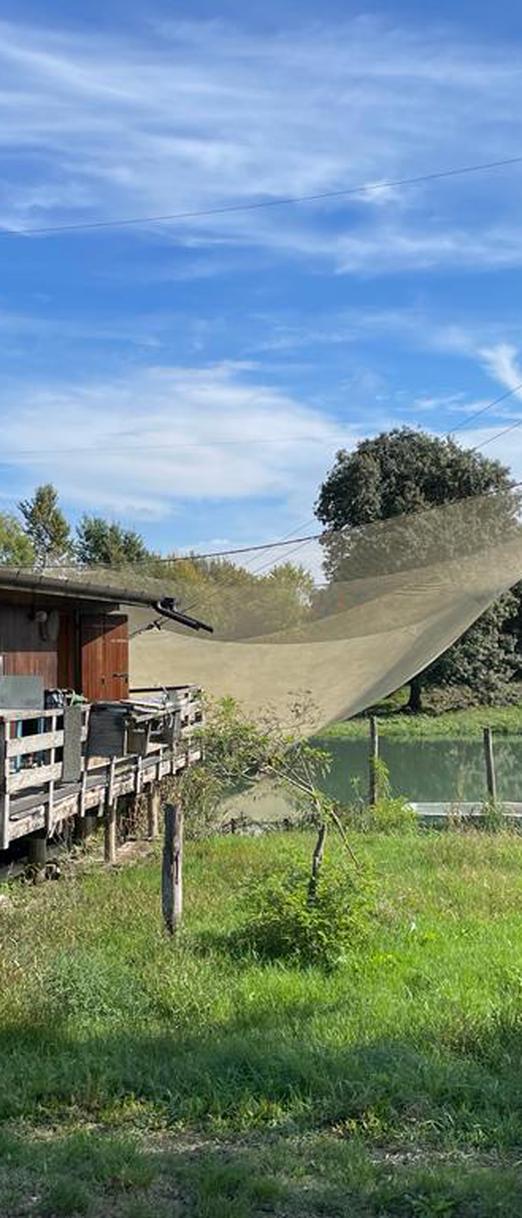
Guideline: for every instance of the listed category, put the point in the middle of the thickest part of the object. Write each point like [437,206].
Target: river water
[426,771]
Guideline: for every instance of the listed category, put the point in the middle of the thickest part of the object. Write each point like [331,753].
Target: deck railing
[33,793]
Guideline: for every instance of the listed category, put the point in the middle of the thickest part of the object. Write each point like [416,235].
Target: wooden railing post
[4,787]
[172,870]
[52,761]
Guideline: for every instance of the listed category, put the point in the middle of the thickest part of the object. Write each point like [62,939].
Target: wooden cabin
[65,640]
[63,633]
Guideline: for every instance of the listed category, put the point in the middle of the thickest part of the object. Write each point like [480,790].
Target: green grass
[465,724]
[141,1077]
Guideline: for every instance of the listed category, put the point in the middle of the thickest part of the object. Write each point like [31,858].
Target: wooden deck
[33,795]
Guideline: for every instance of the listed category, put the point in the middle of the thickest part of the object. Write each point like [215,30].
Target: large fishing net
[383,602]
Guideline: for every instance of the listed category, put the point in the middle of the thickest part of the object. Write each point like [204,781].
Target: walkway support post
[153,811]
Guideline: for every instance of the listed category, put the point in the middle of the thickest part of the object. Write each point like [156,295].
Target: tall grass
[112,1037]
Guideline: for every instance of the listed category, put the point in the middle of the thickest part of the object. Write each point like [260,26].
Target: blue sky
[143,366]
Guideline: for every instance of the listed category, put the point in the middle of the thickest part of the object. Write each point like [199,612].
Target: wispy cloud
[195,115]
[503,362]
[143,443]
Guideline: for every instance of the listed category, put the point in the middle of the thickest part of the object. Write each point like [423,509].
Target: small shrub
[282,923]
[390,814]
[493,818]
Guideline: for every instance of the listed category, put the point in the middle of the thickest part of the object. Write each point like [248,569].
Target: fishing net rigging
[350,618]
[398,593]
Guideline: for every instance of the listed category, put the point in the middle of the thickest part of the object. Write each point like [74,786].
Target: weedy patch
[140,1076]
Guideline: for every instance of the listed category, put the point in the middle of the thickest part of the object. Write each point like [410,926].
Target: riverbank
[463,724]
[141,1078]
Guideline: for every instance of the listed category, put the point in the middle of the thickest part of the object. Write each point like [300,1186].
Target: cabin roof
[77,586]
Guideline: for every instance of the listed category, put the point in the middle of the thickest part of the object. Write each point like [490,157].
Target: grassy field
[463,724]
[141,1078]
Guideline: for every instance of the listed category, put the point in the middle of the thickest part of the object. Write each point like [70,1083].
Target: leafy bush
[390,814]
[493,817]
[283,923]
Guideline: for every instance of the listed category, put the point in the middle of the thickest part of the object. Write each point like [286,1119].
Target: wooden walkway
[33,795]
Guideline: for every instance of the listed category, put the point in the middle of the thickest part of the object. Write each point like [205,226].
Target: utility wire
[483,409]
[216,442]
[364,188]
[505,431]
[15,453]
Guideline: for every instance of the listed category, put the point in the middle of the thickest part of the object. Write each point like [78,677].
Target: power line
[483,409]
[216,442]
[505,431]
[268,545]
[364,188]
[14,453]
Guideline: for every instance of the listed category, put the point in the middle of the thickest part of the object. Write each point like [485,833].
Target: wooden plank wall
[24,652]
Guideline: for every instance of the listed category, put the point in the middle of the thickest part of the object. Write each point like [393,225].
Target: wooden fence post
[374,758]
[172,870]
[491,777]
[153,810]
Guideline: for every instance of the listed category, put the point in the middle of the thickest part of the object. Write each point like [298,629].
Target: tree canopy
[46,526]
[101,542]
[16,548]
[402,472]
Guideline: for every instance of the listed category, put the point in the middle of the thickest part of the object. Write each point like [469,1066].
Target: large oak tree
[406,471]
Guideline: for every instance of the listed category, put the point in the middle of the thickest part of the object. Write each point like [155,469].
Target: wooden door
[105,657]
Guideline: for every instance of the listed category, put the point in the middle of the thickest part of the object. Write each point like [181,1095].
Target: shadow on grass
[290,1124]
[249,1073]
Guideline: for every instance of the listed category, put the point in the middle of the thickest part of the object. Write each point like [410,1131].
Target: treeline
[238,602]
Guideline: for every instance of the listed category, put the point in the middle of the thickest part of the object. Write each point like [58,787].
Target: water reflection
[427,770]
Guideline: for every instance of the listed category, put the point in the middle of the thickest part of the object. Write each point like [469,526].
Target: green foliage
[406,471]
[402,471]
[66,1196]
[390,813]
[89,986]
[483,659]
[239,753]
[106,543]
[390,1085]
[465,724]
[493,817]
[16,548]
[282,923]
[46,526]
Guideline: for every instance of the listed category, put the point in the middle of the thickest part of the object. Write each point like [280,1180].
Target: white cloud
[195,115]
[157,437]
[503,362]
